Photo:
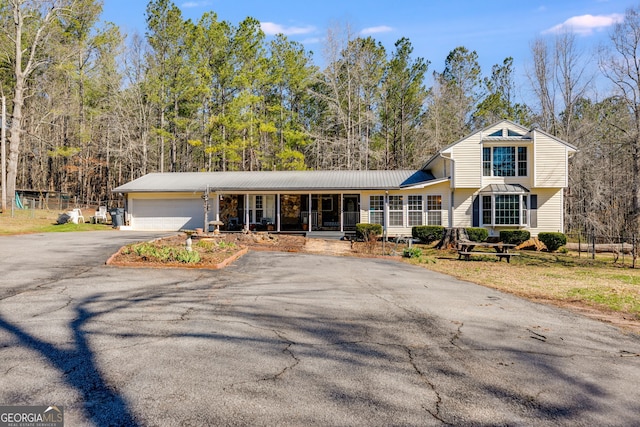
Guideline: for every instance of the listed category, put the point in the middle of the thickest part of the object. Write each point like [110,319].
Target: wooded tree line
[90,109]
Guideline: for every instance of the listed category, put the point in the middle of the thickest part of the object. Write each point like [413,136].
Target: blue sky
[495,29]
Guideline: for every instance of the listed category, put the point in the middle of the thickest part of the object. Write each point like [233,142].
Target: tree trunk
[451,237]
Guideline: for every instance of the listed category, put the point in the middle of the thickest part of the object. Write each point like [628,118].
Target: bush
[427,233]
[366,231]
[187,257]
[514,237]
[477,234]
[553,241]
[412,252]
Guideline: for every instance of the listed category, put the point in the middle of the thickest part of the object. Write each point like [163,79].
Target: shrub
[514,237]
[187,257]
[427,233]
[412,252]
[477,234]
[553,241]
[366,231]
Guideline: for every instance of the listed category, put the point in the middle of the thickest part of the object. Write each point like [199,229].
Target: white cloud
[585,24]
[376,30]
[271,28]
[192,4]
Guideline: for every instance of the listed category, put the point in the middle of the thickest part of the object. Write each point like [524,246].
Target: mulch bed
[212,259]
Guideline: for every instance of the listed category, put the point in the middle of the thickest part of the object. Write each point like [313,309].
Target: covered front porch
[285,212]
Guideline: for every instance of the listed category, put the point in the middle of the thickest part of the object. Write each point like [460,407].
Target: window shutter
[476,212]
[533,211]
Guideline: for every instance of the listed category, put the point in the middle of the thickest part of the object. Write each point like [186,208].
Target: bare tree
[33,24]
[620,63]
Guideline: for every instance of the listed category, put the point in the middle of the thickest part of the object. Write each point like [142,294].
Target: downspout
[451,185]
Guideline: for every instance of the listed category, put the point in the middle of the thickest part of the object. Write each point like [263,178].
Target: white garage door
[166,214]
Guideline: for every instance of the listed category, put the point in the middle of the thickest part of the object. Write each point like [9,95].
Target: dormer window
[504,161]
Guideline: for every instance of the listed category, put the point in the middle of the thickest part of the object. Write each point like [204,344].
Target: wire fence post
[633,251]
[593,244]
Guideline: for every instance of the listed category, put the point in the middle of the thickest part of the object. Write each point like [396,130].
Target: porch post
[217,206]
[246,212]
[309,213]
[278,212]
[386,215]
[341,212]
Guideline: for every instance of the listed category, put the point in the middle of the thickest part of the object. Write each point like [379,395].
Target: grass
[563,278]
[41,221]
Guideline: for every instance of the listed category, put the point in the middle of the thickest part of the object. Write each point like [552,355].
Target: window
[415,210]
[376,210]
[502,161]
[504,209]
[395,211]
[486,161]
[487,210]
[522,161]
[507,210]
[259,209]
[434,210]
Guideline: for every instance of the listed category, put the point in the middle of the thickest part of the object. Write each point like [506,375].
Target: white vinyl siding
[550,210]
[550,162]
[463,208]
[468,165]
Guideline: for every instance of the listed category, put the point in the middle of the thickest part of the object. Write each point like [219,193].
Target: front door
[351,211]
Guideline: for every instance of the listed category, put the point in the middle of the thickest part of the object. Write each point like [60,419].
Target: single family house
[503,176]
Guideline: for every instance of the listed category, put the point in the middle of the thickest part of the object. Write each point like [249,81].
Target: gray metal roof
[275,181]
[505,188]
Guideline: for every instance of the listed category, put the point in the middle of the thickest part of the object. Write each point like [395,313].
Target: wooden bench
[506,255]
[500,255]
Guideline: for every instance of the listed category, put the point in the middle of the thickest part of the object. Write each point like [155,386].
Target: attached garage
[166,214]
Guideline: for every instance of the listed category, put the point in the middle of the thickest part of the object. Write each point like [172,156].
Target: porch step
[327,235]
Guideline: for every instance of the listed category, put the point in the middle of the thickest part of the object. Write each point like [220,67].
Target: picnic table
[466,249]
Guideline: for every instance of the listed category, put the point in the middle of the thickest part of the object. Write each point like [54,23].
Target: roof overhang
[424,184]
[504,189]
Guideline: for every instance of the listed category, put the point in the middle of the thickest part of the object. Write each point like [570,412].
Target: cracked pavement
[294,339]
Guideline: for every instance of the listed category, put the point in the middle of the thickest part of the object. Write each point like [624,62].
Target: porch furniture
[100,216]
[466,250]
[75,216]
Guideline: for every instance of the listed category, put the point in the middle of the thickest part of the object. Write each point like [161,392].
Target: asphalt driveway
[294,339]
